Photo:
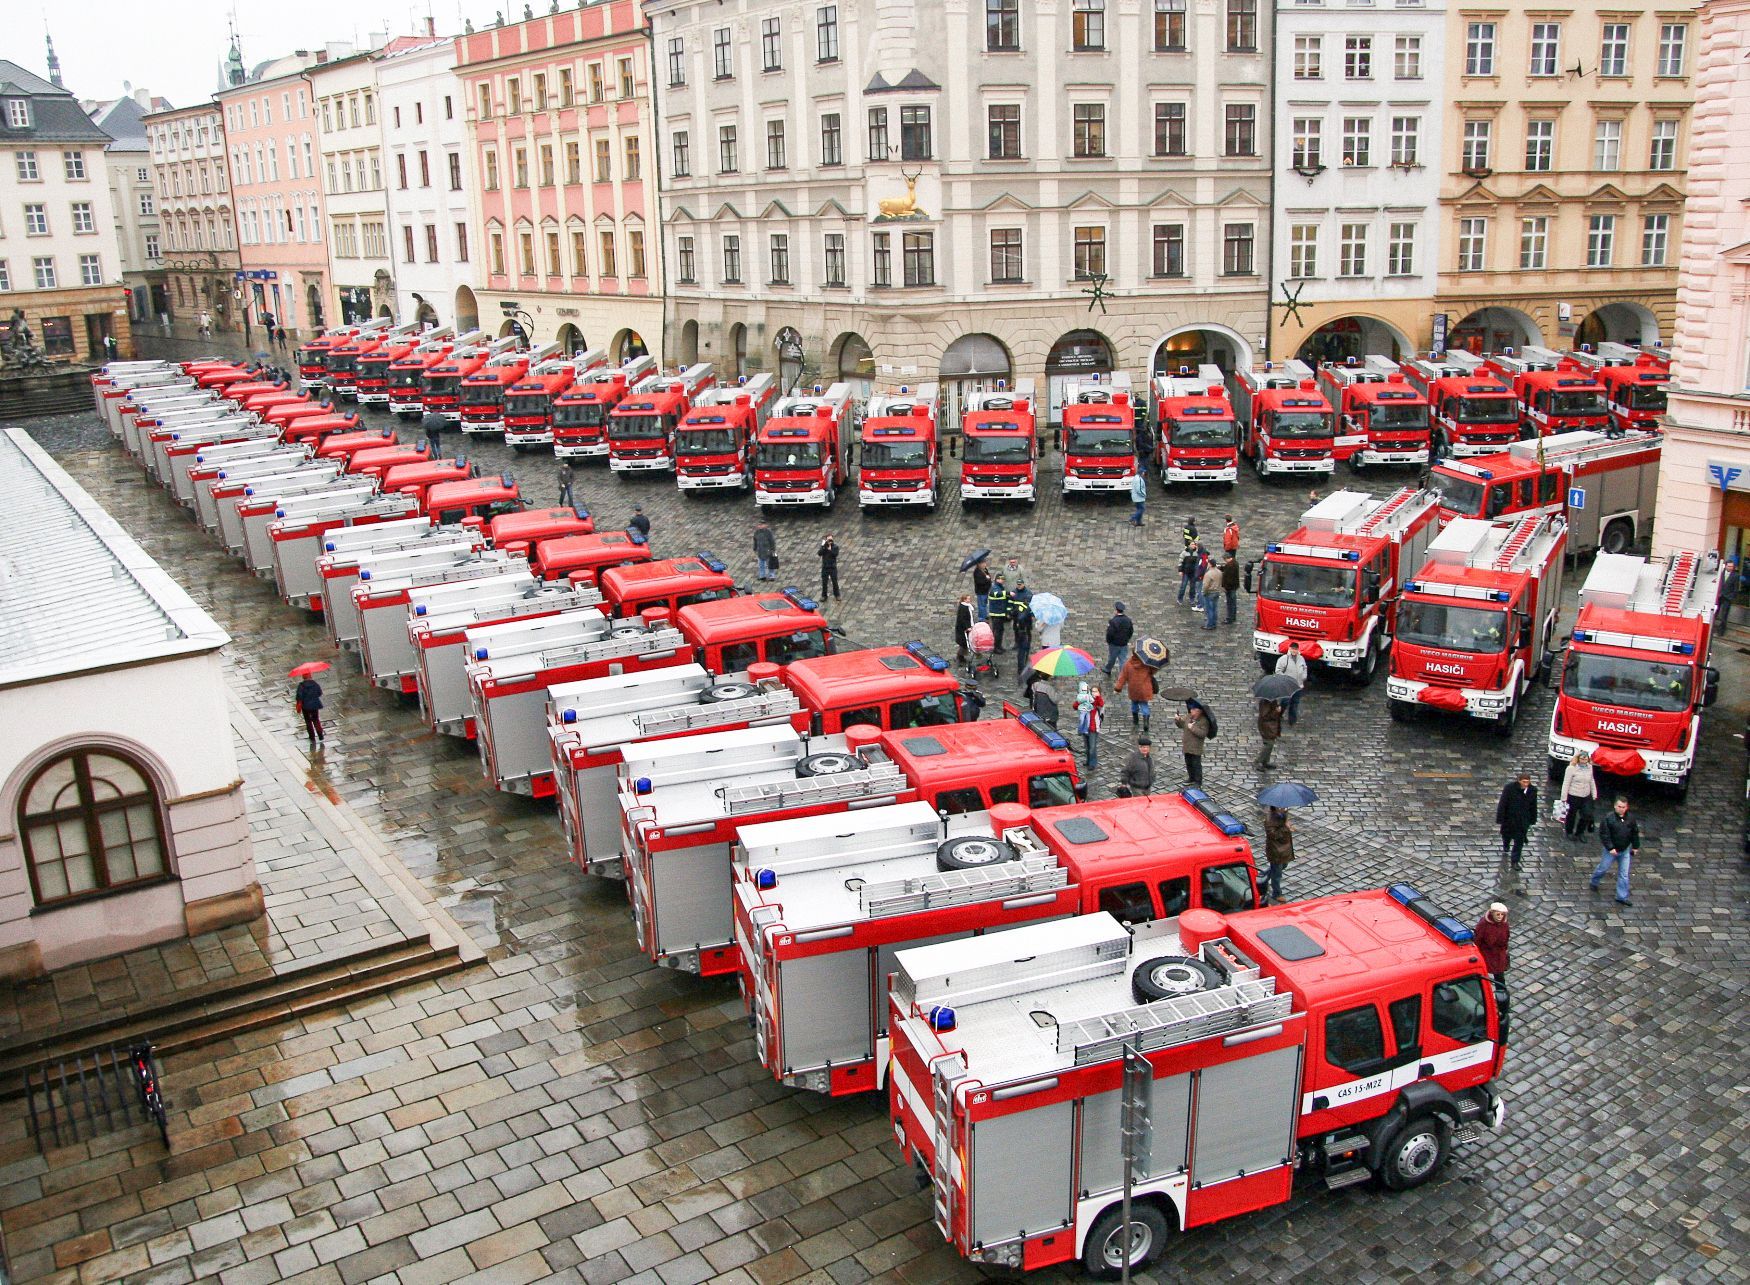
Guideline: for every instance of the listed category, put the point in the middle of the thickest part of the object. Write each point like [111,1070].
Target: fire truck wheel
[972,852]
[1266,662]
[1617,537]
[1401,711]
[1168,976]
[1367,666]
[730,691]
[1414,1152]
[1507,720]
[1108,1239]
[829,764]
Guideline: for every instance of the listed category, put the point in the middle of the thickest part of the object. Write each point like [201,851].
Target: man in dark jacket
[639,523]
[1515,814]
[1021,616]
[1230,585]
[433,424]
[1269,729]
[963,614]
[981,583]
[829,567]
[997,605]
[765,550]
[1620,835]
[1189,575]
[1119,631]
[308,699]
[1138,772]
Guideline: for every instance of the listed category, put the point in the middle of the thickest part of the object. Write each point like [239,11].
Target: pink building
[559,113]
[1704,482]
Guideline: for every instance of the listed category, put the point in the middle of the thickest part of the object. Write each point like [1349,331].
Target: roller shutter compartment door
[1103,1149]
[1021,1173]
[1245,1116]
[690,888]
[826,1009]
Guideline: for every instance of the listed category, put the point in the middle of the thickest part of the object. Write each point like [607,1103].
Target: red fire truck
[1556,394]
[343,446]
[1605,483]
[671,583]
[730,635]
[908,686]
[1637,675]
[1000,451]
[1196,1063]
[407,376]
[520,533]
[474,502]
[1097,435]
[823,903]
[641,428]
[1634,382]
[900,460]
[383,602]
[580,413]
[1473,412]
[797,459]
[1381,417]
[342,364]
[483,392]
[714,444]
[312,357]
[372,388]
[1476,625]
[1333,585]
[582,558]
[1286,425]
[378,461]
[417,478]
[441,388]
[1196,437]
[316,429]
[528,404]
[283,414]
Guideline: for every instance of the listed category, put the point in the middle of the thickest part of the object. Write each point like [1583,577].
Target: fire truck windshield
[341,362]
[1443,624]
[895,454]
[787,455]
[441,385]
[1655,685]
[404,378]
[580,414]
[1389,416]
[1644,397]
[640,426]
[1486,410]
[1581,403]
[997,450]
[1311,586]
[1291,423]
[1101,441]
[1203,432]
[482,394]
[1460,494]
[704,441]
[526,403]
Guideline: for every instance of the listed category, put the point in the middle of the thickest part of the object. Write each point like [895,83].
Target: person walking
[1188,574]
[765,550]
[981,583]
[1230,586]
[1292,663]
[997,604]
[639,523]
[1269,729]
[1119,631]
[1137,682]
[1195,729]
[1579,789]
[1515,814]
[962,626]
[567,478]
[308,700]
[271,325]
[1230,536]
[1491,936]
[1138,773]
[1620,837]
[433,424]
[1278,853]
[1021,617]
[1090,705]
[1210,587]
[829,566]
[1138,494]
[205,324]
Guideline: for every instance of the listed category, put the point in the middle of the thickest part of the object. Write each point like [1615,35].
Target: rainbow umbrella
[1062,662]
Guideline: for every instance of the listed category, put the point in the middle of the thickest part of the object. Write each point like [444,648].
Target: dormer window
[18,113]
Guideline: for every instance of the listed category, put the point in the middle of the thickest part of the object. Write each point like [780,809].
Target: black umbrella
[1288,794]
[1178,693]
[971,560]
[1275,687]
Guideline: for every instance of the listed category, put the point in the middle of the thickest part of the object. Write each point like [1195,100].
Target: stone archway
[1354,335]
[510,327]
[384,310]
[313,306]
[1077,354]
[1194,345]
[626,345]
[570,340]
[687,353]
[972,363]
[788,347]
[1621,321]
[467,310]
[854,363]
[737,350]
[1493,328]
[427,315]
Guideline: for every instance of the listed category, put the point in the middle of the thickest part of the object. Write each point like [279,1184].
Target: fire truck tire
[1414,1152]
[1169,976]
[729,691]
[1258,464]
[1266,662]
[1103,1256]
[1617,537]
[1506,721]
[972,852]
[1368,665]
[1401,711]
[831,495]
[832,763]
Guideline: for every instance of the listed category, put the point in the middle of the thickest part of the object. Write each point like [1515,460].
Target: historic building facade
[128,170]
[350,163]
[197,263]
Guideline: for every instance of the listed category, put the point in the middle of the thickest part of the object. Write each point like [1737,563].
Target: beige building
[197,237]
[1564,155]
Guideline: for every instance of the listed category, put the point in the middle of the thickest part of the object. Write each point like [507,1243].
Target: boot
[1145,724]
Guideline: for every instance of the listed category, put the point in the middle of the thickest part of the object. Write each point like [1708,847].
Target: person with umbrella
[1269,729]
[1278,834]
[765,550]
[981,581]
[1137,682]
[1049,613]
[1196,727]
[307,699]
[432,422]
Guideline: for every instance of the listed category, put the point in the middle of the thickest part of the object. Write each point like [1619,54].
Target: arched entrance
[1621,322]
[1193,345]
[854,361]
[788,346]
[627,345]
[510,327]
[570,339]
[427,315]
[688,351]
[1493,328]
[737,350]
[1079,354]
[1355,336]
[313,306]
[384,310]
[467,310]
[971,364]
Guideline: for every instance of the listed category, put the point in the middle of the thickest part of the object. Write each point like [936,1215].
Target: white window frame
[1534,243]
[1600,240]
[1303,251]
[1473,243]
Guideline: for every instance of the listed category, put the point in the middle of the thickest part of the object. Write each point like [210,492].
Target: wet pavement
[566,1111]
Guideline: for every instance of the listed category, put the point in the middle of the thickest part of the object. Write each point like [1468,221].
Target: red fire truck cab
[442,383]
[641,428]
[671,583]
[900,459]
[313,356]
[1000,446]
[1196,437]
[528,404]
[1472,412]
[730,635]
[798,454]
[582,558]
[407,376]
[343,446]
[888,687]
[374,368]
[714,444]
[1285,423]
[417,479]
[379,460]
[521,533]
[1556,394]
[1634,382]
[474,502]
[1382,418]
[1097,435]
[484,391]
[580,413]
[342,364]
[316,429]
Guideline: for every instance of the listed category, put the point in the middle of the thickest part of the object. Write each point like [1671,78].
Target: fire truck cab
[730,635]
[521,533]
[1473,413]
[441,388]
[822,904]
[1195,431]
[474,502]
[1097,435]
[671,583]
[1556,394]
[343,446]
[714,444]
[886,687]
[406,396]
[1285,422]
[580,413]
[483,392]
[528,403]
[1476,625]
[582,558]
[417,478]
[1382,418]
[377,461]
[1205,1058]
[313,356]
[375,368]
[1637,675]
[1000,446]
[798,453]
[900,459]
[641,428]
[1333,585]
[342,364]
[1634,382]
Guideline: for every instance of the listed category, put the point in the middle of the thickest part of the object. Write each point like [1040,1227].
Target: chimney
[321,56]
[144,98]
[430,25]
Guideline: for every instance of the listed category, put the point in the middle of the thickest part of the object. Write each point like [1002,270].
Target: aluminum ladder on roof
[1517,541]
[1391,512]
[687,718]
[807,791]
[958,887]
[1679,580]
[1178,1020]
[646,642]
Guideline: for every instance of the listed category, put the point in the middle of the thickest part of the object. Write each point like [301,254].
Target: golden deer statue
[903,207]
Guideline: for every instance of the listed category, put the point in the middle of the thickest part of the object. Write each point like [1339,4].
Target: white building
[349,160]
[1360,121]
[123,810]
[132,195]
[197,238]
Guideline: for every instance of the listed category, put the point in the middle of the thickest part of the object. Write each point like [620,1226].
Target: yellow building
[1563,157]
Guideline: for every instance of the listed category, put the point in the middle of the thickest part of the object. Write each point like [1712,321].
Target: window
[1613,50]
[431,243]
[1358,58]
[455,159]
[1309,57]
[341,230]
[832,150]
[520,163]
[1472,235]
[58,335]
[597,90]
[1354,1040]
[1406,61]
[826,33]
[1400,250]
[633,155]
[771,45]
[1169,26]
[878,148]
[604,160]
[450,107]
[1088,24]
[1655,238]
[682,161]
[732,260]
[1242,26]
[497,254]
[1005,255]
[580,253]
[1240,130]
[1170,129]
[1305,148]
[1004,121]
[74,164]
[90,821]
[82,220]
[914,134]
[1540,145]
[36,220]
[684,254]
[491,171]
[526,252]
[26,162]
[1357,141]
[90,270]
[555,264]
[608,262]
[1090,252]
[1090,129]
[1460,1013]
[546,167]
[18,113]
[1534,244]
[1406,140]
[1607,145]
[775,145]
[485,103]
[677,61]
[1236,249]
[400,171]
[1002,25]
[882,258]
[1546,48]
[1479,49]
[1175,896]
[1128,903]
[1303,250]
[726,149]
[835,259]
[920,258]
[513,95]
[1673,38]
[779,255]
[1475,155]
[152,247]
[566,97]
[1352,250]
[1169,249]
[462,243]
[628,85]
[722,68]
[540,91]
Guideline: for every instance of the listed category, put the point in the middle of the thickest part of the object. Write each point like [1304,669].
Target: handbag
[772,562]
[1559,812]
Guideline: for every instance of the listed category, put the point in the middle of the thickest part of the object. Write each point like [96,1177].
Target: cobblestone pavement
[570,1113]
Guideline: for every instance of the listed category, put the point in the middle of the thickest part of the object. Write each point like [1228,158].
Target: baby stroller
[981,642]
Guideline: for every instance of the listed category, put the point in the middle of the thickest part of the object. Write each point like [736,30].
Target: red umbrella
[307,668]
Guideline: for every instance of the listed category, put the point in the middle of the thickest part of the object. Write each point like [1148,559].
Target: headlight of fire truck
[1493,701]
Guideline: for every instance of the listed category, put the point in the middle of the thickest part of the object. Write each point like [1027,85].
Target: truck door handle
[1425,1070]
[1321,1103]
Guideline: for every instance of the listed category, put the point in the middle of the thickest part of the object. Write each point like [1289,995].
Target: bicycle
[146,1080]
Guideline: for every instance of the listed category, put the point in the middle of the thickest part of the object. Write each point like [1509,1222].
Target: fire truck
[1196,437]
[372,387]
[672,583]
[216,486]
[483,392]
[528,404]
[641,428]
[1333,585]
[1637,675]
[343,446]
[1097,435]
[731,634]
[290,511]
[381,601]
[298,540]
[714,444]
[405,396]
[1476,625]
[1042,1075]
[900,461]
[1473,413]
[417,477]
[822,904]
[316,429]
[441,387]
[582,558]
[245,525]
[905,686]
[1381,417]
[342,365]
[1556,394]
[208,462]
[1000,449]
[580,413]
[798,454]
[313,356]
[245,486]
[377,461]
[341,571]
[1634,382]
[1285,422]
[475,501]
[523,531]
[1606,484]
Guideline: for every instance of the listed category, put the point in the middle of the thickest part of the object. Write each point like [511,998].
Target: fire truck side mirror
[953,448]
[1710,691]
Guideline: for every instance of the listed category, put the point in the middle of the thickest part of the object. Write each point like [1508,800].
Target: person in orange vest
[1230,536]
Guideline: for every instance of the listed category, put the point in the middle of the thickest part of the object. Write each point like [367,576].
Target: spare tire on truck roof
[830,763]
[972,852]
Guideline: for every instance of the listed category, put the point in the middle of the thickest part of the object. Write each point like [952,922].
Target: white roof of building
[76,592]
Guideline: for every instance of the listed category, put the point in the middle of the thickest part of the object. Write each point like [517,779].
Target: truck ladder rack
[958,887]
[542,600]
[1517,541]
[1178,1020]
[878,780]
[944,1076]
[1679,580]
[688,718]
[1392,512]
[654,641]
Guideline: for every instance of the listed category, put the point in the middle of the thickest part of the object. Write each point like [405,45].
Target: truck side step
[1468,1132]
[1348,1176]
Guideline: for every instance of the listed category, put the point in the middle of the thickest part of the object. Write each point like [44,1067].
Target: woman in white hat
[1491,934]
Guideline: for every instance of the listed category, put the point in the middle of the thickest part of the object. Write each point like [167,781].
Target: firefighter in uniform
[998,607]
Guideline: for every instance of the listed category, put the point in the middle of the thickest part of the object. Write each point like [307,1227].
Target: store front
[355,304]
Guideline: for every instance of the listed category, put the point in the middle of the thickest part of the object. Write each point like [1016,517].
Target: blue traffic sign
[1576,497]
